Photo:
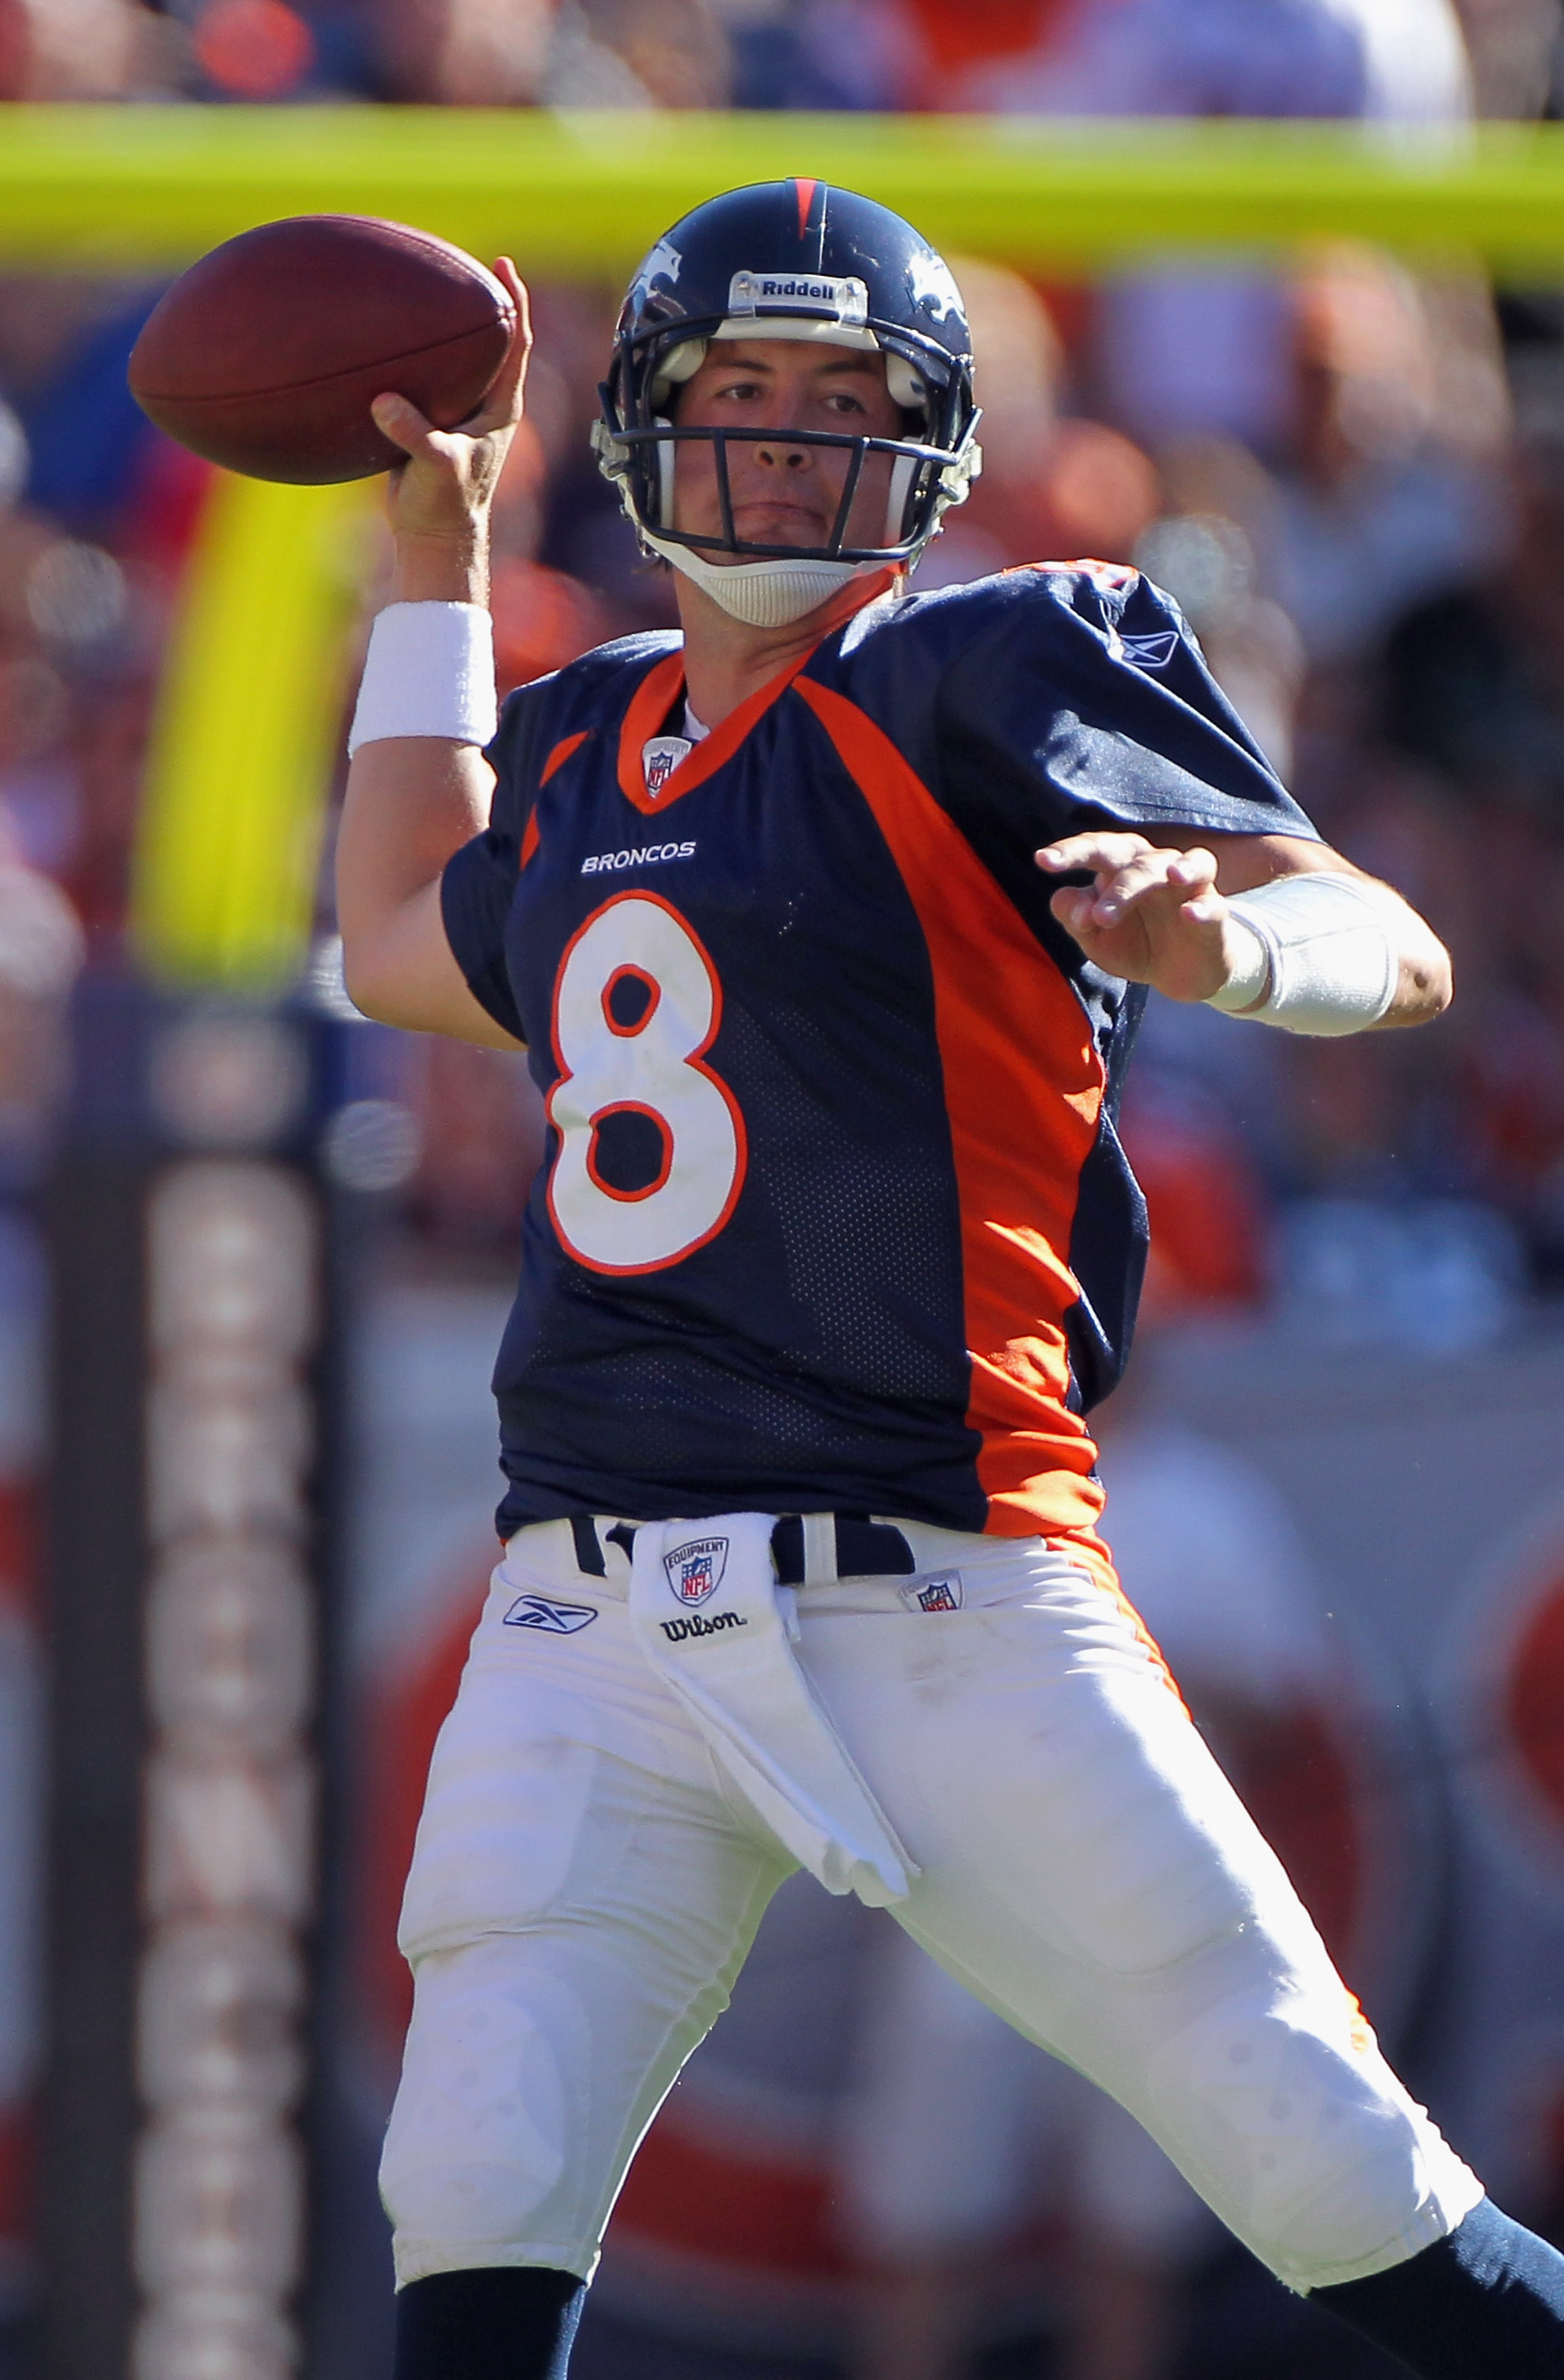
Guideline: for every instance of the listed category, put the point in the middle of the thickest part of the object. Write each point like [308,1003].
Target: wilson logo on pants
[677,1630]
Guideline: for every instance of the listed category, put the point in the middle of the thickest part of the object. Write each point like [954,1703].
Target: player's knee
[477,2153]
[448,2208]
[1300,2137]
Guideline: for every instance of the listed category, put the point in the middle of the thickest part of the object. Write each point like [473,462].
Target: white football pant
[586,1885]
[955,2120]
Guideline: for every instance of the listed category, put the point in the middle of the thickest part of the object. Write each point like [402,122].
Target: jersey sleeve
[479,880]
[1085,703]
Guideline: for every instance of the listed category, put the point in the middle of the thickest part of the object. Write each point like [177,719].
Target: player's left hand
[1152,915]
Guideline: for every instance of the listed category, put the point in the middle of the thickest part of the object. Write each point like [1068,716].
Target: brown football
[266,355]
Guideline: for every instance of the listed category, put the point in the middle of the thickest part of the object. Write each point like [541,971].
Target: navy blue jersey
[832,1214]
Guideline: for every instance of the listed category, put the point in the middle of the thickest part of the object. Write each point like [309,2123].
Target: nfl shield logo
[694,1571]
[938,1594]
[659,758]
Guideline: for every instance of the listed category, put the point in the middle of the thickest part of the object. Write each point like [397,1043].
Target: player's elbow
[372,981]
[400,970]
[1435,985]
[1440,984]
[1426,986]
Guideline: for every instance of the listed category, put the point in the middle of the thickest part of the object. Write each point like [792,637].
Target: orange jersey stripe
[1024,1087]
[556,761]
[562,752]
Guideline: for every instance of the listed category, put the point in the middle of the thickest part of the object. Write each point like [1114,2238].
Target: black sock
[1485,2303]
[498,2321]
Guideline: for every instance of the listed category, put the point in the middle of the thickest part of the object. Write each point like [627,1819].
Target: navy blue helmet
[794,259]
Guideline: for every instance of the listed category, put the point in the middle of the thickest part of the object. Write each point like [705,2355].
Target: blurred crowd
[1391,59]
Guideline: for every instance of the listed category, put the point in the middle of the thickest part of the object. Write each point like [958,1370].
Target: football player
[827,925]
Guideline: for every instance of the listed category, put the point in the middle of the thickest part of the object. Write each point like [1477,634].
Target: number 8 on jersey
[636,1005]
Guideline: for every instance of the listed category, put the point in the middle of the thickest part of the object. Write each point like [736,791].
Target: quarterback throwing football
[827,925]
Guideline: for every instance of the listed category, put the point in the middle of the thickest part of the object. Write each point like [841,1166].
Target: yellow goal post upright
[240,763]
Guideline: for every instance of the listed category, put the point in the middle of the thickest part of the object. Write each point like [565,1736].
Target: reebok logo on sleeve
[1152,652]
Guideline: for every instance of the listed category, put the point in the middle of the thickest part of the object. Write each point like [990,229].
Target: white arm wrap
[429,670]
[1325,955]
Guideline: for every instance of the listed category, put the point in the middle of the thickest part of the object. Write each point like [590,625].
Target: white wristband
[1325,955]
[1251,973]
[429,671]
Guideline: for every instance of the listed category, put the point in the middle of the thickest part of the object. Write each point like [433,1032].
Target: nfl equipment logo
[659,758]
[694,1571]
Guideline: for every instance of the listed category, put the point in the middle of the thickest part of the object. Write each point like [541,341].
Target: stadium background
[254,1252]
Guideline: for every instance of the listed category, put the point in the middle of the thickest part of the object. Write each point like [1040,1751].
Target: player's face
[785,494]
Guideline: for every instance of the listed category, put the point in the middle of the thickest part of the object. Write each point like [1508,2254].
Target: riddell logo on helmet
[845,302]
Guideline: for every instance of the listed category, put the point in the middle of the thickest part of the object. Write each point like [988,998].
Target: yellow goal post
[241,762]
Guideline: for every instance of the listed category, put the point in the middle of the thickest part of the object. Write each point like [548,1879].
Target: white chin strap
[762,594]
[772,594]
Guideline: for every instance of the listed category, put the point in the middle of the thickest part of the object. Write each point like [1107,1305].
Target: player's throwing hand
[444,489]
